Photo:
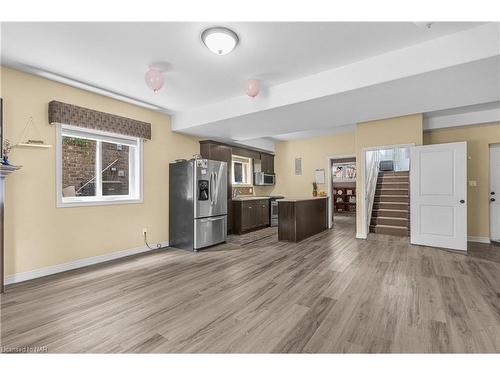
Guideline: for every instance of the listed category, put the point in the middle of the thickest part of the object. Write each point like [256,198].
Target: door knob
[462,201]
[492,199]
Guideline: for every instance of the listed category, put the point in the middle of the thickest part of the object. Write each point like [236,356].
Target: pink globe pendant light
[253,87]
[154,79]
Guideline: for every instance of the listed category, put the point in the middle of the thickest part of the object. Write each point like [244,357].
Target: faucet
[236,192]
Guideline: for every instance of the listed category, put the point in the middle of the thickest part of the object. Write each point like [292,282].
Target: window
[241,170]
[95,167]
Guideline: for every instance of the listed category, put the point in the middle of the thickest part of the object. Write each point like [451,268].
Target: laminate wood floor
[328,294]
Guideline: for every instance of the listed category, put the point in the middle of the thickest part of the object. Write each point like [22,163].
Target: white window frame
[249,170]
[135,168]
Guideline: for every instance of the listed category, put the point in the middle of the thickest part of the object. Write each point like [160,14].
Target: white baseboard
[478,239]
[50,270]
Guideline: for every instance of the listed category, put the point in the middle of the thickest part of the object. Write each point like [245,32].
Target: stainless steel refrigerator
[198,203]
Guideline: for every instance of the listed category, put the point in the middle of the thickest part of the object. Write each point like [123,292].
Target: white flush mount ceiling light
[219,40]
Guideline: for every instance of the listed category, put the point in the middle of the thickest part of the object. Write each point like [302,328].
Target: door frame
[330,185]
[490,239]
[362,233]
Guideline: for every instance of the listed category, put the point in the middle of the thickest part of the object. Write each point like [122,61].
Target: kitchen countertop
[300,199]
[249,198]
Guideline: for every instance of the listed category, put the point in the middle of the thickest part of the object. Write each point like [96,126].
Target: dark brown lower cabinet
[299,219]
[250,215]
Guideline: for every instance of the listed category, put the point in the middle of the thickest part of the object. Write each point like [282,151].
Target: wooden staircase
[391,206]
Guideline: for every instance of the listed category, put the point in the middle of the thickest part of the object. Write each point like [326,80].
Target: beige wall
[314,153]
[478,139]
[37,234]
[392,131]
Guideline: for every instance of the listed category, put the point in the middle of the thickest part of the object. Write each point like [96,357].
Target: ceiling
[115,56]
[460,85]
[318,78]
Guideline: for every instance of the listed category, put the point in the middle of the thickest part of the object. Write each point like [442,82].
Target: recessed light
[219,40]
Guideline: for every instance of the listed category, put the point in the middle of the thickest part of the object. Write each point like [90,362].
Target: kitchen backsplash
[254,190]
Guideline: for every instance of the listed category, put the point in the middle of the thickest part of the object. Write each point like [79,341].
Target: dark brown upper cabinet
[220,152]
[245,152]
[267,163]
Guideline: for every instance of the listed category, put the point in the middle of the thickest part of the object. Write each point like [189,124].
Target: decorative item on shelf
[31,142]
[322,194]
[351,172]
[338,171]
[315,189]
[6,148]
[349,192]
[340,192]
[352,199]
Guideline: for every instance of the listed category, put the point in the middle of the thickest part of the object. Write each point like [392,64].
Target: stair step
[392,185]
[381,212]
[390,205]
[394,173]
[391,198]
[391,191]
[393,178]
[389,229]
[393,221]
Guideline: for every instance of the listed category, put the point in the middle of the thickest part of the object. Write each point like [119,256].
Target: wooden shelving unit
[344,181]
[343,202]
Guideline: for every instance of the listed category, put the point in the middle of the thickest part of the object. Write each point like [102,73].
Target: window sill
[242,185]
[103,202]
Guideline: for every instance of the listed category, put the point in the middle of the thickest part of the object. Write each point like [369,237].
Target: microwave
[263,178]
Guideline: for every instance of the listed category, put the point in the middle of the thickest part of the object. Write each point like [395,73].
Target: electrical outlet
[144,230]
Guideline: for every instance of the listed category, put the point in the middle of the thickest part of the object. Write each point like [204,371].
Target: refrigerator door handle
[216,183]
[212,188]
[210,219]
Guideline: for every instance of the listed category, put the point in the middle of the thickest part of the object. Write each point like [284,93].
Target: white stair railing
[371,187]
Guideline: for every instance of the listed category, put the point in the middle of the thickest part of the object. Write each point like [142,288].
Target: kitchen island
[300,218]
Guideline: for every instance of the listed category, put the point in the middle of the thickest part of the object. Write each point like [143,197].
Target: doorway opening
[386,180]
[342,181]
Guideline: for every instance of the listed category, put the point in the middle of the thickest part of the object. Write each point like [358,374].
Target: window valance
[69,114]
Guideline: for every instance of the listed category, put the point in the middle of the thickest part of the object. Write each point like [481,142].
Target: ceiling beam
[459,48]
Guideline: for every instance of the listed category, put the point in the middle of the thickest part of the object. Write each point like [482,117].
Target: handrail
[371,187]
[93,178]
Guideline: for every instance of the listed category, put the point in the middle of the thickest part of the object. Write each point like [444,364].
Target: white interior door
[494,192]
[438,195]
